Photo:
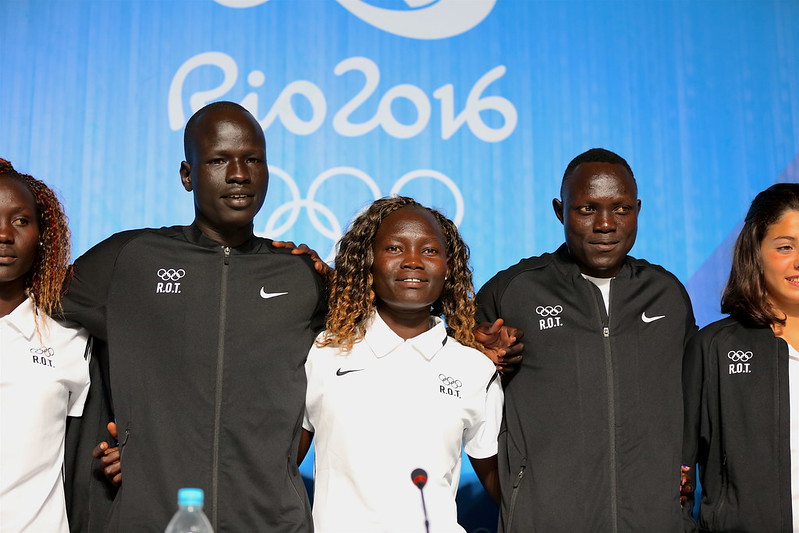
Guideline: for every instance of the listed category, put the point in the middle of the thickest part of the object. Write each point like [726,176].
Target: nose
[6,232]
[412,259]
[604,221]
[237,171]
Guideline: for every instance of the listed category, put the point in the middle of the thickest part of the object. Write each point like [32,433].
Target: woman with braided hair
[388,390]
[44,372]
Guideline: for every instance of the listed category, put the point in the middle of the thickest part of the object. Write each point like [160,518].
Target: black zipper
[614,517]
[220,364]
[515,494]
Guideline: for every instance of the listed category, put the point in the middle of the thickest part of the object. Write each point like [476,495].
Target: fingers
[112,430]
[284,244]
[99,450]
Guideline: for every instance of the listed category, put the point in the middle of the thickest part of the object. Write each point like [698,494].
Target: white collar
[382,339]
[23,319]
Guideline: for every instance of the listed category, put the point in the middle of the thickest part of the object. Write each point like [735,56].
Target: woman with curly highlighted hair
[44,372]
[389,392]
[741,380]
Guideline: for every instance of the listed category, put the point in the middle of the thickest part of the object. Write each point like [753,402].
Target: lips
[238,199]
[604,245]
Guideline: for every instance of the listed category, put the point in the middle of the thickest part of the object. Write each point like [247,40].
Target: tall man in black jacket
[593,419]
[205,328]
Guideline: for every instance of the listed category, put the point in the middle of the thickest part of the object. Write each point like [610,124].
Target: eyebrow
[786,237]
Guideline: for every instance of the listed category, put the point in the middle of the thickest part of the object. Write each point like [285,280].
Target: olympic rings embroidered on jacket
[170,274]
[740,356]
[549,310]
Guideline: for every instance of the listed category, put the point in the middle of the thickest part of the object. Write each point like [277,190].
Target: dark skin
[599,212]
[410,264]
[19,237]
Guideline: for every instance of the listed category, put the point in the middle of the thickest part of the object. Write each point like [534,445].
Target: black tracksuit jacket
[592,432]
[737,412]
[202,366]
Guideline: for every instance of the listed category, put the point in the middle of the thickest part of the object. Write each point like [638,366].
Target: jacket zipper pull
[606,331]
[227,254]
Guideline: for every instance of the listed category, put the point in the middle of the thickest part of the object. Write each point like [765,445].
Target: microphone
[419,478]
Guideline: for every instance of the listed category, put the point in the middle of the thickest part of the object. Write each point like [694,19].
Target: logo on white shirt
[740,361]
[449,386]
[43,356]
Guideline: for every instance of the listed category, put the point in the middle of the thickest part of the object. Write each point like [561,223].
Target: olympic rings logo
[450,382]
[549,310]
[170,274]
[740,356]
[321,216]
[48,352]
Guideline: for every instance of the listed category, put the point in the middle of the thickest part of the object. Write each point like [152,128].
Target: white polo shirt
[386,408]
[42,381]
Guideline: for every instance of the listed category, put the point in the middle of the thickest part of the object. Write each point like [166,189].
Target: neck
[790,330]
[232,237]
[11,297]
[408,324]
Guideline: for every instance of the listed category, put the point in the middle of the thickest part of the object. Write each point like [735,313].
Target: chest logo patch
[550,316]
[266,295]
[449,386]
[740,362]
[42,356]
[170,280]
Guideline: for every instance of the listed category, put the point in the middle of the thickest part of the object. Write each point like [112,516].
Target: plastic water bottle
[190,517]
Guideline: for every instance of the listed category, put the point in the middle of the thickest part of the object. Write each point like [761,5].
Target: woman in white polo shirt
[388,390]
[44,371]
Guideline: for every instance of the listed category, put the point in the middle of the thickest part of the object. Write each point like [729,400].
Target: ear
[557,205]
[185,175]
[638,207]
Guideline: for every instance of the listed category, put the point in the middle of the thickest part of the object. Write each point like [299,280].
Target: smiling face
[599,212]
[226,170]
[779,256]
[19,236]
[410,264]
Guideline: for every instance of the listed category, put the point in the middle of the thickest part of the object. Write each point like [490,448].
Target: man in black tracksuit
[593,419]
[206,329]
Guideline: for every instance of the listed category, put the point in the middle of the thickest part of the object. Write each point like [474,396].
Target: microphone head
[419,478]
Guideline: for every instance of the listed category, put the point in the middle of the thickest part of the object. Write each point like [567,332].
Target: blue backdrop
[473,106]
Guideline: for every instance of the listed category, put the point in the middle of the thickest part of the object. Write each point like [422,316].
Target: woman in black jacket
[741,380]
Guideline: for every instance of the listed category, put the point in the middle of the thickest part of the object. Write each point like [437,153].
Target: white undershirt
[604,288]
[793,387]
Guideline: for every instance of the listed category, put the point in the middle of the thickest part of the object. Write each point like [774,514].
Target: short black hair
[192,124]
[594,155]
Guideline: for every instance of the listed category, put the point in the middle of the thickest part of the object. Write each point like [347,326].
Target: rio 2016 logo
[283,107]
[426,19]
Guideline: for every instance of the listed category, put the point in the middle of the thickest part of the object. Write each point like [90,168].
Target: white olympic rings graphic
[332,228]
[450,382]
[170,274]
[740,356]
[549,310]
[49,352]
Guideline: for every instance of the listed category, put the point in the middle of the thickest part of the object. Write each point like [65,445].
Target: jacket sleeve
[694,441]
[87,290]
[487,300]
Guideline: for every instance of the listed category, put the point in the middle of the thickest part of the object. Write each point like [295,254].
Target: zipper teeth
[614,518]
[220,359]
[513,497]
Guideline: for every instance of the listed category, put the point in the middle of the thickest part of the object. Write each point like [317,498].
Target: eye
[785,248]
[254,160]
[623,209]
[393,248]
[20,221]
[585,210]
[430,251]
[216,161]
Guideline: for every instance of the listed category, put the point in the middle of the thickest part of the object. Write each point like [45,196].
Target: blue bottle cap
[191,497]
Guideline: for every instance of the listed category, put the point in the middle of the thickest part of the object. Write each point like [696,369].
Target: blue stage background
[473,106]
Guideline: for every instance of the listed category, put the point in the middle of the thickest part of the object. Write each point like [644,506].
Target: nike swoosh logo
[266,295]
[340,372]
[647,319]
